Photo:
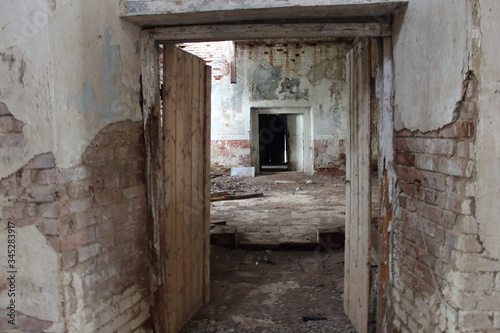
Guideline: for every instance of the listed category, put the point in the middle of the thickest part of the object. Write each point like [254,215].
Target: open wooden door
[358,196]
[184,230]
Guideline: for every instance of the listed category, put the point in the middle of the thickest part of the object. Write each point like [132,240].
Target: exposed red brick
[43,161]
[46,177]
[12,140]
[405,159]
[31,324]
[9,124]
[80,189]
[78,239]
[134,192]
[108,197]
[41,194]
[94,214]
[96,155]
[19,210]
[69,259]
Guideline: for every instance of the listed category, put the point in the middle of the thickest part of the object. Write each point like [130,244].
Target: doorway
[280,139]
[257,123]
[273,142]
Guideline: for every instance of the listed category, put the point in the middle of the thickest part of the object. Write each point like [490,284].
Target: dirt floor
[292,291]
[274,291]
[294,206]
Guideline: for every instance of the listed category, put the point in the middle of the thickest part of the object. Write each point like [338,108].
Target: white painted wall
[488,134]
[68,68]
[430,61]
[97,73]
[26,83]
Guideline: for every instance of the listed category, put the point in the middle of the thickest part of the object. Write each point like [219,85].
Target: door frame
[150,40]
[307,164]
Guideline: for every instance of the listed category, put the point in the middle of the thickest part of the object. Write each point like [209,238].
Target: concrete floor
[274,292]
[294,206]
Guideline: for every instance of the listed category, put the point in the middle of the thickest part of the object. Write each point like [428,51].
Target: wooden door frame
[150,40]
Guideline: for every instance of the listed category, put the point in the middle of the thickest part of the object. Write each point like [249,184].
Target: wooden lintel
[265,31]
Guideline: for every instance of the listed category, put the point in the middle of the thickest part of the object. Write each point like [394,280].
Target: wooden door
[186,174]
[358,210]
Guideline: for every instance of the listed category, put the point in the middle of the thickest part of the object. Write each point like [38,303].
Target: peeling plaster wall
[445,251]
[97,73]
[278,76]
[69,68]
[26,86]
[308,76]
[430,60]
[488,136]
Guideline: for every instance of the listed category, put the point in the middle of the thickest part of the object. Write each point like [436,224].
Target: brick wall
[11,129]
[277,75]
[214,53]
[94,217]
[442,279]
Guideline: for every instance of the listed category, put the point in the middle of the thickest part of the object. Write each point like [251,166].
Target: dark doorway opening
[273,142]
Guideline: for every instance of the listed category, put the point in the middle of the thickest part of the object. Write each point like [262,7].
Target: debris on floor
[287,210]
[300,292]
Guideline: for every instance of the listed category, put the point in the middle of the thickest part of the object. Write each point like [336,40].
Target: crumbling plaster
[488,136]
[70,68]
[97,74]
[430,61]
[26,86]
[280,76]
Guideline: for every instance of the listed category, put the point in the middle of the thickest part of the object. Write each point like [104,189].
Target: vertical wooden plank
[170,180]
[184,191]
[206,182]
[358,213]
[347,260]
[196,176]
[180,282]
[154,160]
[386,141]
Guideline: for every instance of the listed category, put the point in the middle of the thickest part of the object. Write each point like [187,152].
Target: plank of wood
[386,154]
[197,181]
[218,194]
[187,215]
[224,235]
[357,279]
[206,183]
[160,12]
[170,179]
[269,31]
[238,196]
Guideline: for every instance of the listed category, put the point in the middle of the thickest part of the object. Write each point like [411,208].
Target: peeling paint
[265,82]
[290,89]
[328,69]
[8,59]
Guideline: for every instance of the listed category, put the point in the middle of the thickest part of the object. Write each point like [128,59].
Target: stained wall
[278,76]
[445,249]
[72,168]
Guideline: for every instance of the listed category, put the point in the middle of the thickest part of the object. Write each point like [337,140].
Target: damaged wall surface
[72,168]
[279,77]
[445,235]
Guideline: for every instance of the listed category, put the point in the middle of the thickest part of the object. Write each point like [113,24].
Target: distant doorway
[273,142]
[280,137]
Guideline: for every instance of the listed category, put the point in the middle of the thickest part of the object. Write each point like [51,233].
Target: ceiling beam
[154,13]
[268,31]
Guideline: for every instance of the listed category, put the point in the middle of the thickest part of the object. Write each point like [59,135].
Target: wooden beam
[264,31]
[151,13]
[385,89]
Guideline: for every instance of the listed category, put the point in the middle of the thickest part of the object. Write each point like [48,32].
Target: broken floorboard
[237,196]
[303,237]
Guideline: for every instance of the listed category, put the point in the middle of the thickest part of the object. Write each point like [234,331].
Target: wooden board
[259,31]
[186,223]
[358,212]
